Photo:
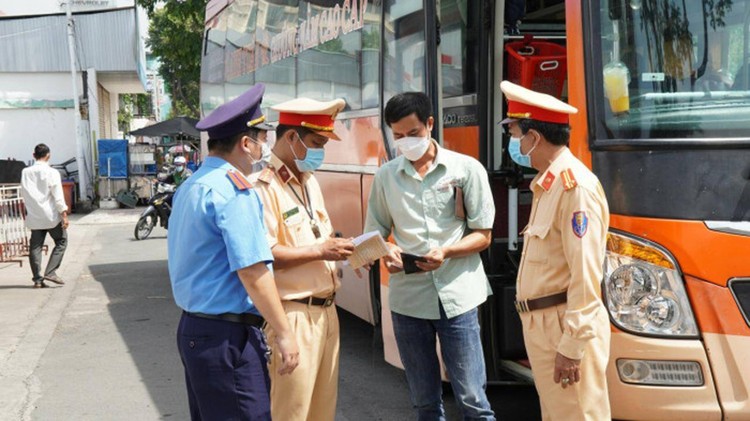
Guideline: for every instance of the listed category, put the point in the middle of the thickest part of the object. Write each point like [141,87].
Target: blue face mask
[514,149]
[313,159]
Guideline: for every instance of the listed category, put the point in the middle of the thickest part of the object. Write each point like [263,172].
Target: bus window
[275,41]
[669,69]
[404,53]
[239,51]
[212,64]
[459,66]
[459,47]
[334,68]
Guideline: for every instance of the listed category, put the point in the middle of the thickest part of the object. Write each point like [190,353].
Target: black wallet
[410,262]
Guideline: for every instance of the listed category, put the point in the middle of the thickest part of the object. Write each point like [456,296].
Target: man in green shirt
[417,197]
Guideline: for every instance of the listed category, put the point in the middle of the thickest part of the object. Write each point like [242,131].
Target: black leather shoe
[54,278]
[40,285]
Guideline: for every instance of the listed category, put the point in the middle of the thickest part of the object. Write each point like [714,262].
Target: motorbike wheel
[144,226]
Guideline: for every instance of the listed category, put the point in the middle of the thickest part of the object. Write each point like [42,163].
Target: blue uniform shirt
[215,229]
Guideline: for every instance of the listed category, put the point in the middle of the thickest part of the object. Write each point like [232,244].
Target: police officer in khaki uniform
[304,250]
[565,324]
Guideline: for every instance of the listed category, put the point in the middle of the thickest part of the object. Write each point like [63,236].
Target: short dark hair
[556,134]
[41,150]
[283,128]
[405,104]
[226,145]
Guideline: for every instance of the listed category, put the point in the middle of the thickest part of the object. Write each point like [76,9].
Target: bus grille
[741,291]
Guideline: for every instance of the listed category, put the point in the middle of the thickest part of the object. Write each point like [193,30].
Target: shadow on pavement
[142,307]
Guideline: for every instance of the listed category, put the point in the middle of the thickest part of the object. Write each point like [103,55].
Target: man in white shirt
[46,212]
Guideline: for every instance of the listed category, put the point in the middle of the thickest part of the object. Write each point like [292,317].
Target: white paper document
[368,247]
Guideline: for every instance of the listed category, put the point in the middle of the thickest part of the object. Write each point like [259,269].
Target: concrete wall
[36,108]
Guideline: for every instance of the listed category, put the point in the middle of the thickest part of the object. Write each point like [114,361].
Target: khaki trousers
[586,400]
[310,392]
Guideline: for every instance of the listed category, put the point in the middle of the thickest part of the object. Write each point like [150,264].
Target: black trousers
[60,236]
[226,369]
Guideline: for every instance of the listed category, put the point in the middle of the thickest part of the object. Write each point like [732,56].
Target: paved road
[109,351]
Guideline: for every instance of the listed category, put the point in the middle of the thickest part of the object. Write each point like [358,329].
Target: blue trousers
[461,349]
[226,369]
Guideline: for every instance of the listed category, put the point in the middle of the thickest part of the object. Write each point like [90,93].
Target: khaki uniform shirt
[564,247]
[421,214]
[288,224]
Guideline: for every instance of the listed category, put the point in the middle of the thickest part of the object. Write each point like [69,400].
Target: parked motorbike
[158,211]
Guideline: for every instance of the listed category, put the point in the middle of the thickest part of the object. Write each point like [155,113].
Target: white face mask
[265,153]
[413,148]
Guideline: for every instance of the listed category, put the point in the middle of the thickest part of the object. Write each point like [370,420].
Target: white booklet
[368,247]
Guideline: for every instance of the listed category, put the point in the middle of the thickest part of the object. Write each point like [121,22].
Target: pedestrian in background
[437,204]
[219,269]
[46,213]
[565,324]
[304,251]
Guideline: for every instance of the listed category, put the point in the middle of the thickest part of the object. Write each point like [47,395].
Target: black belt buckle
[329,301]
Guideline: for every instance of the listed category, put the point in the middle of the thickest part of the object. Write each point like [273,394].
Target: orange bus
[663,89]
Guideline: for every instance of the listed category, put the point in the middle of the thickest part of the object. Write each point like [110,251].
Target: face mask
[313,158]
[265,153]
[413,148]
[179,168]
[514,149]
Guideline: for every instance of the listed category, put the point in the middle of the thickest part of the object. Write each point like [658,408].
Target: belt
[541,302]
[315,301]
[244,318]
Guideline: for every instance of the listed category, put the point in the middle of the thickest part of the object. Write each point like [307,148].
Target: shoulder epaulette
[568,179]
[239,180]
[266,175]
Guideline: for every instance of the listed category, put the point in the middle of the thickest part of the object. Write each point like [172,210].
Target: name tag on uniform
[292,216]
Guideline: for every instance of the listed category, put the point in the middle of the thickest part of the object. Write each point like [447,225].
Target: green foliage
[175,37]
[132,105]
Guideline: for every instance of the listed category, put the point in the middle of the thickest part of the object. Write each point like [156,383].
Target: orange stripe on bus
[715,308]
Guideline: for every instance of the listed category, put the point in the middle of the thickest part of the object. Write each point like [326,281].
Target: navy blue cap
[236,116]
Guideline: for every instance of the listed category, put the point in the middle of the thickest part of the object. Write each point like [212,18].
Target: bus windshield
[670,70]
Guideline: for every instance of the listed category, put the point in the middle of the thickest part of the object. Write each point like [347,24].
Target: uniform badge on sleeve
[580,223]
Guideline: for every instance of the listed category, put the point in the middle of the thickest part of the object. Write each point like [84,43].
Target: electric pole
[83,181]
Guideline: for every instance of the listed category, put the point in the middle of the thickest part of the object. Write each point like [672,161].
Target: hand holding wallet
[410,262]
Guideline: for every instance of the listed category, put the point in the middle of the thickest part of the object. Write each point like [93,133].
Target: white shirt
[41,187]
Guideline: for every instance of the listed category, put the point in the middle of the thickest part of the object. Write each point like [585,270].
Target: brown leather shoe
[40,285]
[54,278]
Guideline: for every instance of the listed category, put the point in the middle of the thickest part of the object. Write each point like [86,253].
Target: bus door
[464,57]
[540,34]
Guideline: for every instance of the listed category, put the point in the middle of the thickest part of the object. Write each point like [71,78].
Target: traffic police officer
[565,324]
[218,266]
[304,250]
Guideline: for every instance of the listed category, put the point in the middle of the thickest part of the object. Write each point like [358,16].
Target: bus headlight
[643,289]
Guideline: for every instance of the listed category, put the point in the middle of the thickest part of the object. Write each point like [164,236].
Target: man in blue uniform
[219,267]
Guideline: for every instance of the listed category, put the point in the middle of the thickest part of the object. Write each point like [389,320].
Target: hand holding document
[368,248]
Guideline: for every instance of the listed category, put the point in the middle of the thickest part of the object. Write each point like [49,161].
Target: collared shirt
[564,247]
[421,214]
[215,229]
[290,224]
[41,188]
